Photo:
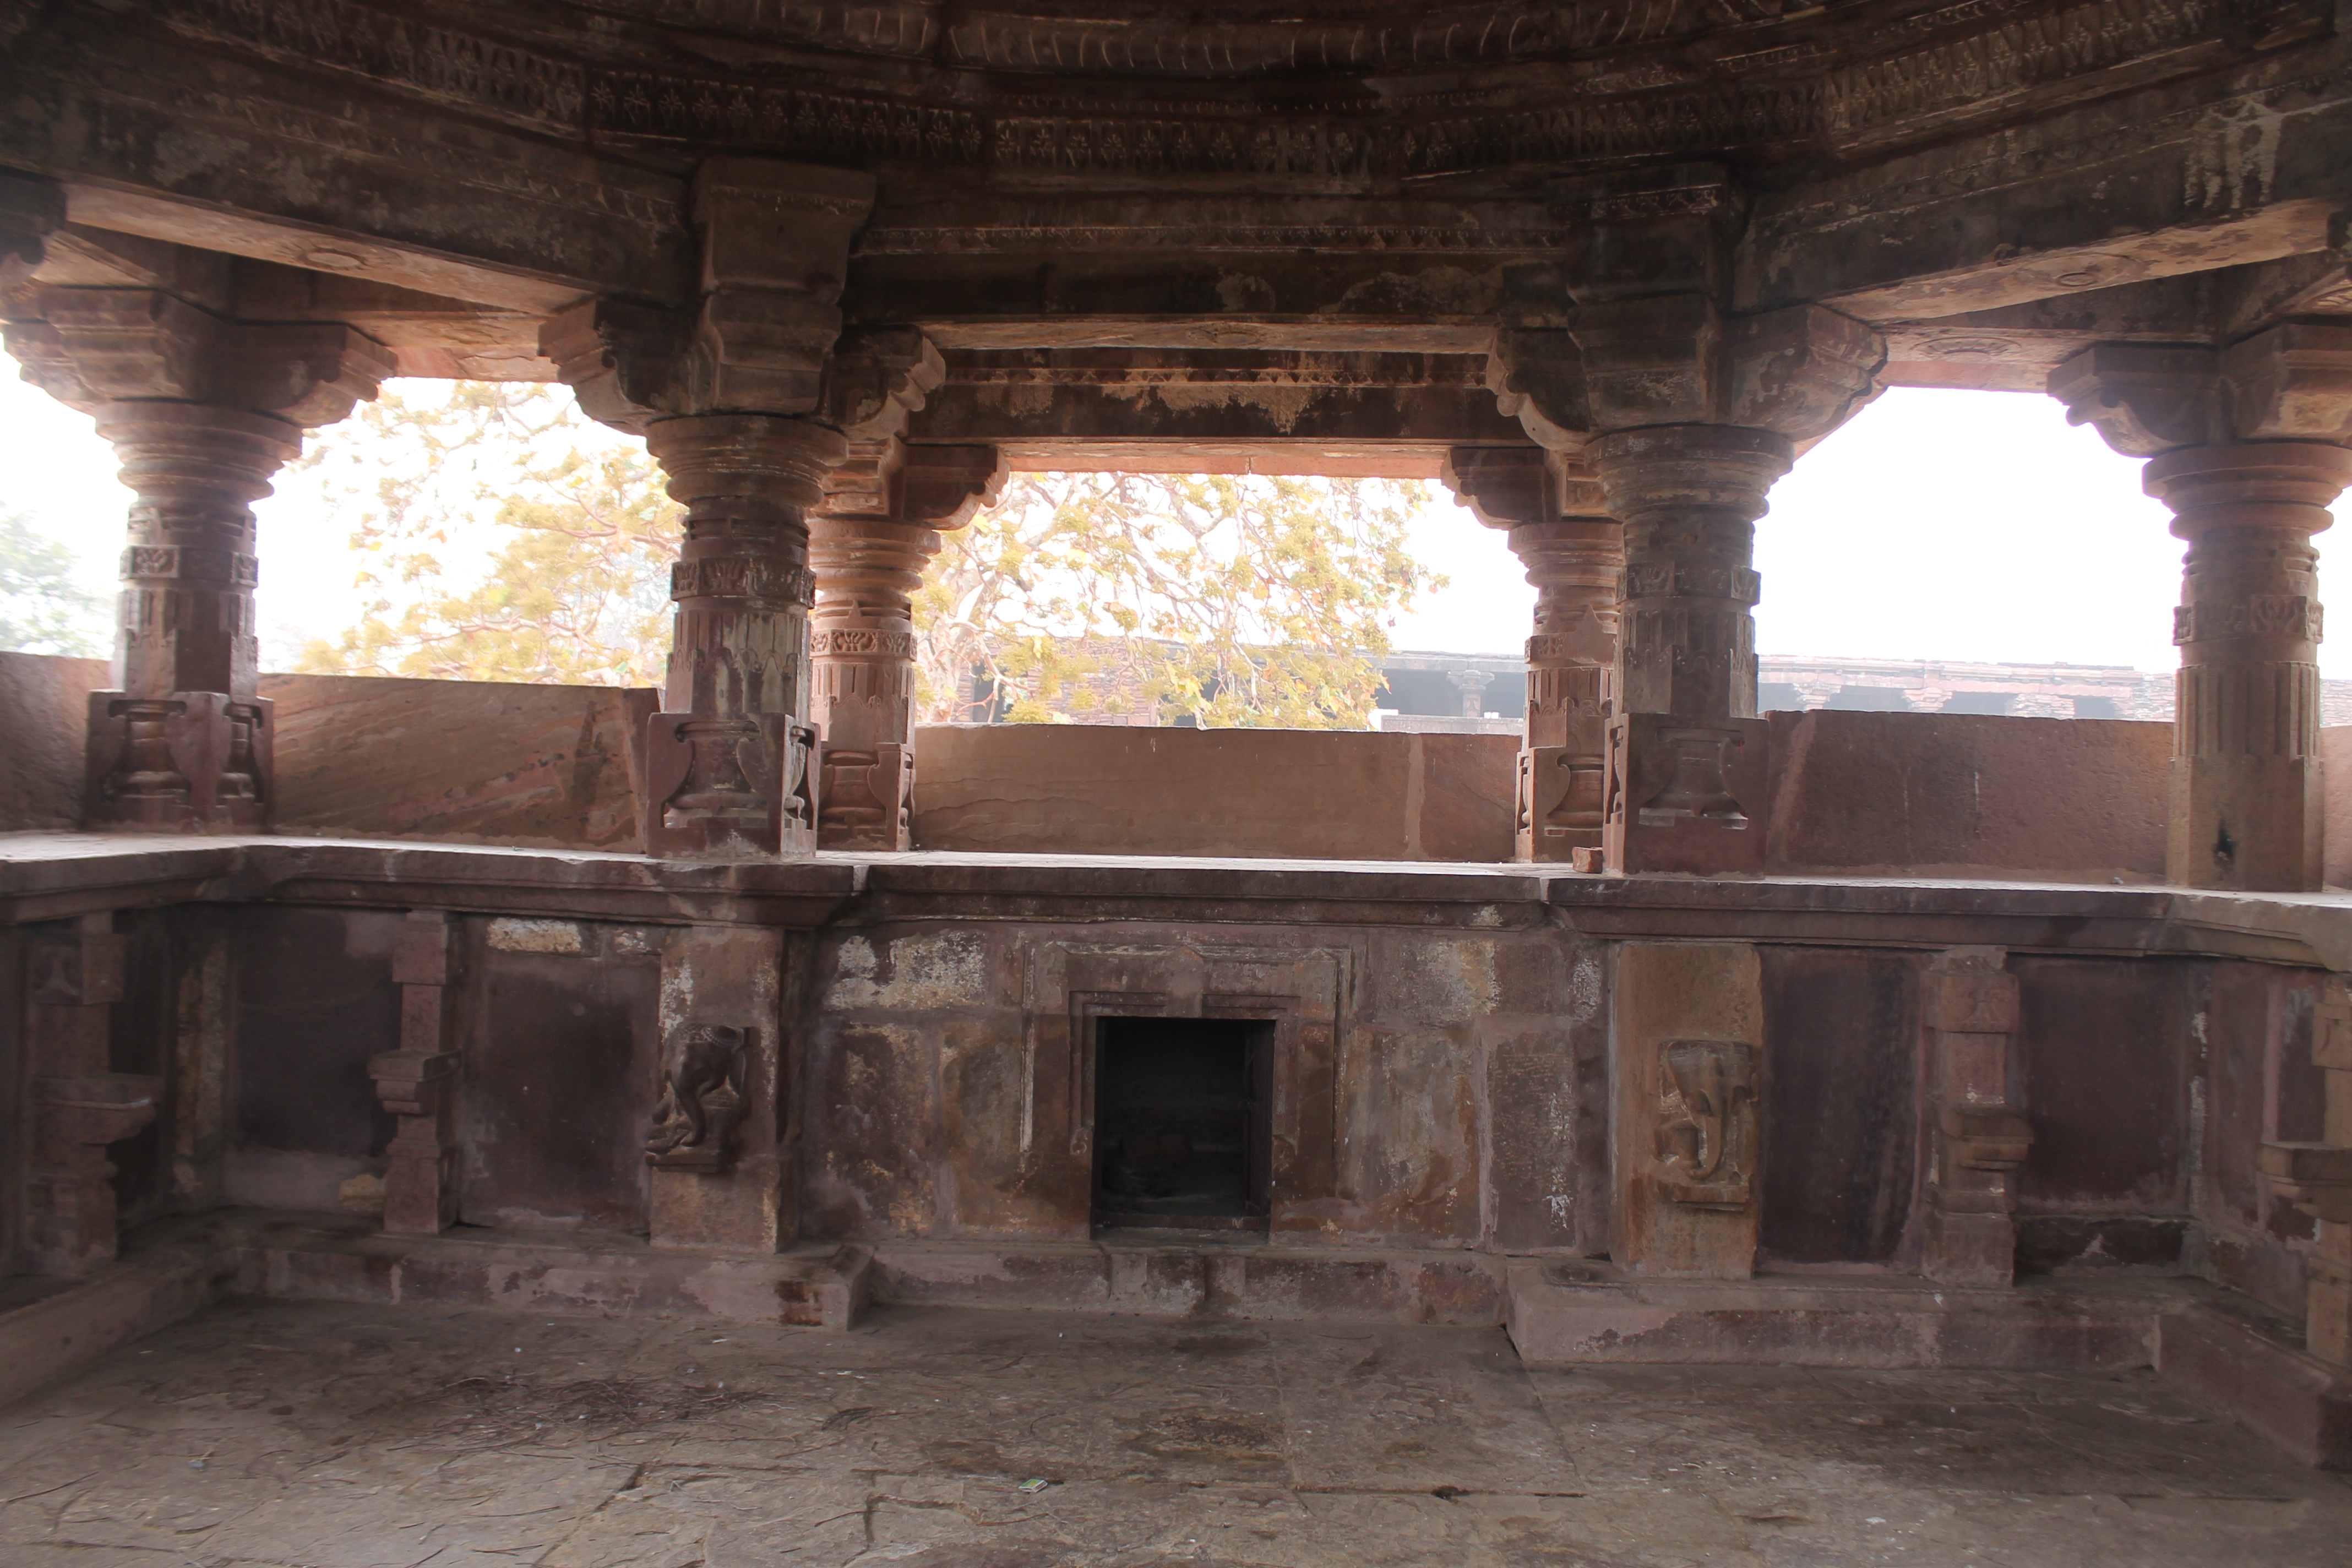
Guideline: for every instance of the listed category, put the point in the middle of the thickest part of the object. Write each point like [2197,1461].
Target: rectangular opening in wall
[1183,1123]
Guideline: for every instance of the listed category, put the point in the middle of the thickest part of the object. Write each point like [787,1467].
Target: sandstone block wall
[1290,794]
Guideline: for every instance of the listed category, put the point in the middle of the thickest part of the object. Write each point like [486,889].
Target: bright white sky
[1955,525]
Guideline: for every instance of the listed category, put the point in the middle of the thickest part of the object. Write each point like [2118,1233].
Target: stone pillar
[1472,684]
[1978,1136]
[2247,811]
[1685,789]
[1575,555]
[203,412]
[731,397]
[728,760]
[2247,449]
[1688,1066]
[2316,1177]
[418,1084]
[78,1105]
[870,547]
[1686,416]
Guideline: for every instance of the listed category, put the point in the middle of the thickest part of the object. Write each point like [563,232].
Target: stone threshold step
[1582,1314]
[1169,1273]
[329,1257]
[2251,1365]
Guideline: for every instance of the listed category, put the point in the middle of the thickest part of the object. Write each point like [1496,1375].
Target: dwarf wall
[1447,1084]
[1945,796]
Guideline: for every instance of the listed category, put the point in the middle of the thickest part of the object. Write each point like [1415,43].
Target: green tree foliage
[578,532]
[505,538]
[1194,598]
[42,609]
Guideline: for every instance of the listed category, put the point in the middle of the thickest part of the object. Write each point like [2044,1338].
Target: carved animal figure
[707,1060]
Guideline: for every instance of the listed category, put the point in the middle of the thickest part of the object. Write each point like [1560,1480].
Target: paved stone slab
[310,1435]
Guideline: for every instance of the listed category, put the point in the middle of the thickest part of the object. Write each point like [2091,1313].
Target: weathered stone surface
[44,712]
[541,766]
[1688,1066]
[1954,795]
[1109,790]
[596,1444]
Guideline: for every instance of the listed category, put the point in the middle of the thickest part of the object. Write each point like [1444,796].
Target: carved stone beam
[2247,447]
[869,547]
[1686,417]
[731,396]
[1575,556]
[79,1106]
[1979,1136]
[2316,1177]
[203,410]
[418,1083]
[31,209]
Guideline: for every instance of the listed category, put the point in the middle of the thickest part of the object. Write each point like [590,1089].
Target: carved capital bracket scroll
[1977,1135]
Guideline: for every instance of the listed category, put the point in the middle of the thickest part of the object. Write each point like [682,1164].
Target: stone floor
[367,1438]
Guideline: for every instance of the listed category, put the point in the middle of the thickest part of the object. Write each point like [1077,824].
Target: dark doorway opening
[1183,1123]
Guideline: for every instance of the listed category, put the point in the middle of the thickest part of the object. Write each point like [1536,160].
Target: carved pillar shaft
[79,1106]
[2247,809]
[1575,565]
[418,1084]
[1978,1136]
[861,648]
[727,760]
[189,574]
[1686,750]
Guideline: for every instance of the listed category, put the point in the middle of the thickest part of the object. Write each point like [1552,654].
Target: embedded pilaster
[1978,1136]
[418,1083]
[79,1107]
[2316,1177]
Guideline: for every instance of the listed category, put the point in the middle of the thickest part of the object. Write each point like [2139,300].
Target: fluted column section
[1686,748]
[2247,807]
[862,652]
[1575,565]
[734,786]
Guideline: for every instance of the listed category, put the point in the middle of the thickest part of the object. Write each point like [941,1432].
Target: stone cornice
[895,82]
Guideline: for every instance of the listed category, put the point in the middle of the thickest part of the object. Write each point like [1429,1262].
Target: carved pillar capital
[774,244]
[878,379]
[2292,381]
[31,209]
[1674,359]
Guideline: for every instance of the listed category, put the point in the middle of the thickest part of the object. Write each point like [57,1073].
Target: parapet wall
[1946,795]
